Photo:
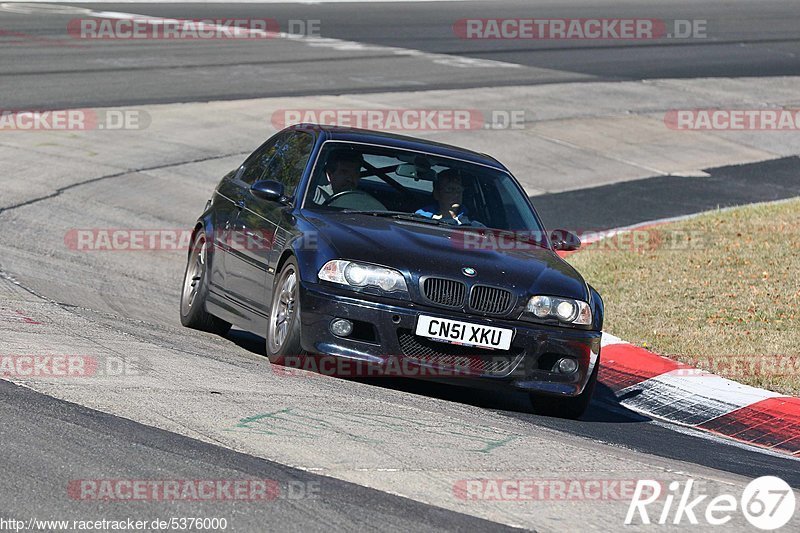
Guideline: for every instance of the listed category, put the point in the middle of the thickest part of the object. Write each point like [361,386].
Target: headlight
[364,275]
[564,309]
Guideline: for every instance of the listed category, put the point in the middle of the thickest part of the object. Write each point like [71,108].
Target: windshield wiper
[371,212]
[398,215]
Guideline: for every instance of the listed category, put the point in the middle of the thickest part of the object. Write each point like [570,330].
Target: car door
[236,191]
[256,231]
[223,213]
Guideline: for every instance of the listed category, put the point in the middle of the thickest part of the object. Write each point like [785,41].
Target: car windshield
[384,181]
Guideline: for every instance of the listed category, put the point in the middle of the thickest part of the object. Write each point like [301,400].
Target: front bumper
[525,366]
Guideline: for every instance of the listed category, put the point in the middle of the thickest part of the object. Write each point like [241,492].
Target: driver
[342,171]
[448,191]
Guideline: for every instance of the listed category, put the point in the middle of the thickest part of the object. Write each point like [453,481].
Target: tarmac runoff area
[119,309]
[476,461]
[571,136]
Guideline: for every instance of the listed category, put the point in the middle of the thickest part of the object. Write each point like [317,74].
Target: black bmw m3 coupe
[370,247]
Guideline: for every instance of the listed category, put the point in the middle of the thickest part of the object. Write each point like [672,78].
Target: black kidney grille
[489,299]
[445,292]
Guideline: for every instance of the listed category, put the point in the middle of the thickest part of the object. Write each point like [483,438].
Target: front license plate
[456,332]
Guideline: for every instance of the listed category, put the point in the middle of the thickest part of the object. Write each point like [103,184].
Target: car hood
[421,249]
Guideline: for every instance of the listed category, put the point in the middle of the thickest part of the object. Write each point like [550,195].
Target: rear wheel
[195,290]
[566,407]
[283,334]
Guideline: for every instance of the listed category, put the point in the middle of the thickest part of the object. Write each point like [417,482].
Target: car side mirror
[564,240]
[268,190]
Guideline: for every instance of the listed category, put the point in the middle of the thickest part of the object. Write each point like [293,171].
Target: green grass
[720,291]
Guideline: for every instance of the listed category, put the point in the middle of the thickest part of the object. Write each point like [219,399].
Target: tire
[566,407]
[283,331]
[195,290]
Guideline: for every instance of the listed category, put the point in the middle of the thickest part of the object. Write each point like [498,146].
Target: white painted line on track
[308,2]
[321,42]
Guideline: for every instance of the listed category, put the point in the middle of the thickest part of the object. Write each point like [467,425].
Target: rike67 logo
[767,503]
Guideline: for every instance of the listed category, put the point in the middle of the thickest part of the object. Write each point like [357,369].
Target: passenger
[448,191]
[342,172]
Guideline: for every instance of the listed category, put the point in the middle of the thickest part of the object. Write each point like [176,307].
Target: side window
[256,164]
[290,160]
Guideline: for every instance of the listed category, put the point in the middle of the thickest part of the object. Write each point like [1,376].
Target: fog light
[341,327]
[566,365]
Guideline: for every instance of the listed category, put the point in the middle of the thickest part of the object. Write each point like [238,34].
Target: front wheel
[195,290]
[566,407]
[283,334]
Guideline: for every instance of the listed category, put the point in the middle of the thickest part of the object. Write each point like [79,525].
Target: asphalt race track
[744,39]
[379,454]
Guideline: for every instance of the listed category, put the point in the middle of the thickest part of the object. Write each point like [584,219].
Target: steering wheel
[355,199]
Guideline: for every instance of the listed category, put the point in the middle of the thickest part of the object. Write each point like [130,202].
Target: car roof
[340,133]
